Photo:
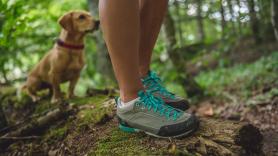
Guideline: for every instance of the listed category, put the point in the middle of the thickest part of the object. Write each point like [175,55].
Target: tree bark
[3,121]
[223,21]
[190,86]
[222,138]
[201,32]
[231,11]
[254,21]
[4,74]
[274,17]
[103,63]
[179,22]
[238,19]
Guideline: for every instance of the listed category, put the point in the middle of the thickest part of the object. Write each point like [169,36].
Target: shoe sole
[135,130]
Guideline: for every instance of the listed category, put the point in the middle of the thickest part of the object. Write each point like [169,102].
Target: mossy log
[214,137]
[36,125]
[221,138]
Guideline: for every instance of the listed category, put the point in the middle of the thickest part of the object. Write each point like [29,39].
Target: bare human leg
[120,24]
[151,16]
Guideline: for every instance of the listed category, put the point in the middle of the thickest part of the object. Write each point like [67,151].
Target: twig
[20,138]
[230,97]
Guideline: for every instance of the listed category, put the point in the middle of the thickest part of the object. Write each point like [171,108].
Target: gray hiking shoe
[150,115]
[153,84]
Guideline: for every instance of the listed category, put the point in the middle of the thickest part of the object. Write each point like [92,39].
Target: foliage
[29,28]
[28,31]
[241,77]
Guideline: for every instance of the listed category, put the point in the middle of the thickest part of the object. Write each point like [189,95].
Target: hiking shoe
[153,84]
[150,115]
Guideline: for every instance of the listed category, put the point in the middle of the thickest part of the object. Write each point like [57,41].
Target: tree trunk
[201,32]
[238,19]
[231,11]
[274,17]
[190,86]
[254,21]
[222,138]
[103,63]
[223,21]
[179,22]
[3,121]
[4,74]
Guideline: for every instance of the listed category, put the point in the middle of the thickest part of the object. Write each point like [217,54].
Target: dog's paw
[71,96]
[35,98]
[55,100]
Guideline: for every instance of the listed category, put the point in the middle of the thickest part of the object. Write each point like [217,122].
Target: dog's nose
[97,24]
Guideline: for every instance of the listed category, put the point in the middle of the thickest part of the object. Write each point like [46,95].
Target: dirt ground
[263,115]
[103,137]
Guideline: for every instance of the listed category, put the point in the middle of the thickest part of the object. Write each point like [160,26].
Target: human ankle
[126,97]
[144,73]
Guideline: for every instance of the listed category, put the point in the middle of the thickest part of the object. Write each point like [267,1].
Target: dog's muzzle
[96,27]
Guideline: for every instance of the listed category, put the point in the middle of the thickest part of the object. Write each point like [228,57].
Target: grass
[241,77]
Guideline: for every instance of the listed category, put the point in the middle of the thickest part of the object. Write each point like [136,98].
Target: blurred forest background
[198,36]
[223,51]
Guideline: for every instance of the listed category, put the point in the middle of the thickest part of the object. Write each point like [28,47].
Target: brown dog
[65,60]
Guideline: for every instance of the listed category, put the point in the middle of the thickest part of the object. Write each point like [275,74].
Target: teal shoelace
[154,85]
[156,104]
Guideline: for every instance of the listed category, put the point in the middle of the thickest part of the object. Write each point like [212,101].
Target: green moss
[96,100]
[5,91]
[121,143]
[56,133]
[95,111]
[44,106]
[87,116]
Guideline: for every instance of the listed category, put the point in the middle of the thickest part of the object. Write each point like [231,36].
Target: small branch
[20,138]
[231,97]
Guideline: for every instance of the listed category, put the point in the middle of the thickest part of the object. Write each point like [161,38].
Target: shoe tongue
[141,93]
[152,74]
[149,75]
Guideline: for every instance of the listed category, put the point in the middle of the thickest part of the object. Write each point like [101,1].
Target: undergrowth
[240,78]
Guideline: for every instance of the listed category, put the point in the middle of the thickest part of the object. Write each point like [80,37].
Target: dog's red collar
[69,46]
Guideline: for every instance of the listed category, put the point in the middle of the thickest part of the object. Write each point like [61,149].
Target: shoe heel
[127,129]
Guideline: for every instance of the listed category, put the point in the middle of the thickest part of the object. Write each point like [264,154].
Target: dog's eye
[82,17]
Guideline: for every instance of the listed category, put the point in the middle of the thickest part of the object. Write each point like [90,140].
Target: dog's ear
[66,21]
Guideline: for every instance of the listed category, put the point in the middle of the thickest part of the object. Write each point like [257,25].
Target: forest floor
[245,92]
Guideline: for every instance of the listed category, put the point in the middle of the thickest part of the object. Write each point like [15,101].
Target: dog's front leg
[55,79]
[33,95]
[72,87]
